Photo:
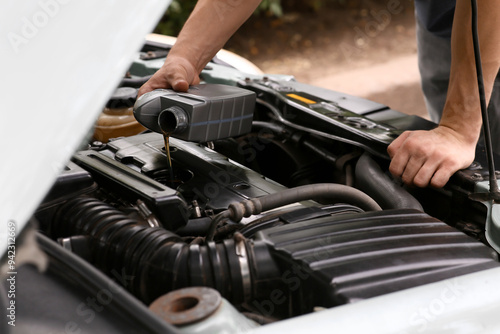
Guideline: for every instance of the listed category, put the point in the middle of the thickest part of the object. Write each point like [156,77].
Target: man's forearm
[210,25]
[462,109]
[205,32]
[425,158]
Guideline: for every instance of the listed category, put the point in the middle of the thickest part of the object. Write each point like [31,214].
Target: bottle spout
[173,120]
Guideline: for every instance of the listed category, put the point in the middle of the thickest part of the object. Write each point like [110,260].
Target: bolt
[97,145]
[196,209]
[210,145]
[475,166]
[477,176]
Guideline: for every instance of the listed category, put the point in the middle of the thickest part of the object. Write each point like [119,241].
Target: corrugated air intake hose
[157,261]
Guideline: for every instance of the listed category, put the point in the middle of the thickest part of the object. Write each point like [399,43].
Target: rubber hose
[81,273]
[156,260]
[334,193]
[371,179]
[268,126]
[280,129]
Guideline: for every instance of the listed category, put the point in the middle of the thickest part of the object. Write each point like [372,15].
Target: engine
[297,213]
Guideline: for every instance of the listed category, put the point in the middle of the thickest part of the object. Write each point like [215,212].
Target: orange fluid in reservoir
[117,122]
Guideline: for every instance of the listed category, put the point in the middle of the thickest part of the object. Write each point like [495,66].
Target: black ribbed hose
[155,260]
[371,179]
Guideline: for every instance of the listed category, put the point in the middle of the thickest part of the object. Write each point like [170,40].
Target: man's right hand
[206,31]
[177,73]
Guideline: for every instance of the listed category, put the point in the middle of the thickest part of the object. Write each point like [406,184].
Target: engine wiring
[282,120]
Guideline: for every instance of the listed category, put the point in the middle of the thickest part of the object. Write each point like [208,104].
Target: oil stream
[166,139]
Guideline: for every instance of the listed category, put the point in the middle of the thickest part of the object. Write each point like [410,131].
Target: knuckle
[407,180]
[421,182]
[440,179]
[395,170]
[391,150]
[439,183]
[417,149]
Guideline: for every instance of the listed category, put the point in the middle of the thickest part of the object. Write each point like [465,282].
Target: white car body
[61,60]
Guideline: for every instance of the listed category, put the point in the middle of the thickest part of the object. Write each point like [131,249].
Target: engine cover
[331,261]
[137,168]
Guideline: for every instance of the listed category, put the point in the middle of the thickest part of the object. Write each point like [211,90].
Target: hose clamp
[241,252]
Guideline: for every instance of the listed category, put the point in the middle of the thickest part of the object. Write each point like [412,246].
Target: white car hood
[61,60]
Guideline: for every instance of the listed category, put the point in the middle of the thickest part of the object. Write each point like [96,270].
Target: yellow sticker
[301,98]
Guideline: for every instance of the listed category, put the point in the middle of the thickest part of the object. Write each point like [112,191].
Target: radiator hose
[371,179]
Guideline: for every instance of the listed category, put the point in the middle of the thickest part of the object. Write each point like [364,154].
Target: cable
[494,191]
[281,119]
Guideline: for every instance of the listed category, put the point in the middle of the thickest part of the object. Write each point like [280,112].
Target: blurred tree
[175,16]
[271,7]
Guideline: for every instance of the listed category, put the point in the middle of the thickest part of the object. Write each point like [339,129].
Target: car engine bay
[295,213]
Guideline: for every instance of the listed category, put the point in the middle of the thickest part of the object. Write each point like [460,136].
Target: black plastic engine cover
[343,259]
[135,168]
[207,176]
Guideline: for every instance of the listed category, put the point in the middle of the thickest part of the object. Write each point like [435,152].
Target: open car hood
[61,60]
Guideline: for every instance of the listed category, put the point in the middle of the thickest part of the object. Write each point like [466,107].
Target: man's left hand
[422,158]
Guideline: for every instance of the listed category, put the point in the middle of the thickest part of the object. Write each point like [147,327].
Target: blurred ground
[365,48]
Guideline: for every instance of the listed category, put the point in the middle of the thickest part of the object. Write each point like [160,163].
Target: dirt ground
[365,48]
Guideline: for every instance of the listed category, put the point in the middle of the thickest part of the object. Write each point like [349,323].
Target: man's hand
[177,73]
[208,28]
[423,158]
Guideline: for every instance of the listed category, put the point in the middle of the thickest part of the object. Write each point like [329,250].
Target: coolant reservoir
[117,118]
